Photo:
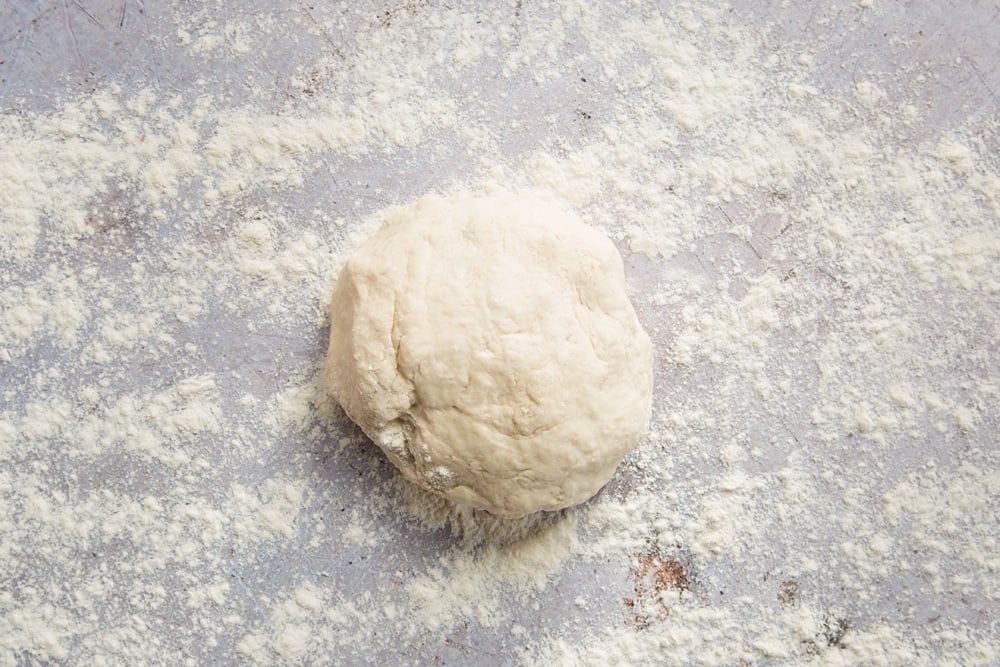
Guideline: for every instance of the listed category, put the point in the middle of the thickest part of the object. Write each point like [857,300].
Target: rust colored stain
[653,575]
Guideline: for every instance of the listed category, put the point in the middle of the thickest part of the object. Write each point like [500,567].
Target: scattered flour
[811,238]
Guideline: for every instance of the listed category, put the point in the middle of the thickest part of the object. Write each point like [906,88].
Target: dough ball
[488,347]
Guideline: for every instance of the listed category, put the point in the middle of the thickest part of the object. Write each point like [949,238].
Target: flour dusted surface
[807,200]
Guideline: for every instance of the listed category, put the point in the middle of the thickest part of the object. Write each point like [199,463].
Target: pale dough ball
[488,347]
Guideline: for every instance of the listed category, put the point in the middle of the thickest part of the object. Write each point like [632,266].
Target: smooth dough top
[488,347]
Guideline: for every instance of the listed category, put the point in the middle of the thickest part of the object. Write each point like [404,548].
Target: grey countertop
[237,517]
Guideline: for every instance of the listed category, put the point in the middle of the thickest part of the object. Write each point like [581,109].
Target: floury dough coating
[488,347]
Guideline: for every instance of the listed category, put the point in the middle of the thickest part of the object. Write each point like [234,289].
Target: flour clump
[488,347]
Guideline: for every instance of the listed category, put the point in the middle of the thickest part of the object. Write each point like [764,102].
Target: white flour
[813,243]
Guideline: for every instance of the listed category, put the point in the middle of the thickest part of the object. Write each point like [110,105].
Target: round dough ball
[488,347]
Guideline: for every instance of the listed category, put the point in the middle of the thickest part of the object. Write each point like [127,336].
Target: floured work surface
[807,199]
